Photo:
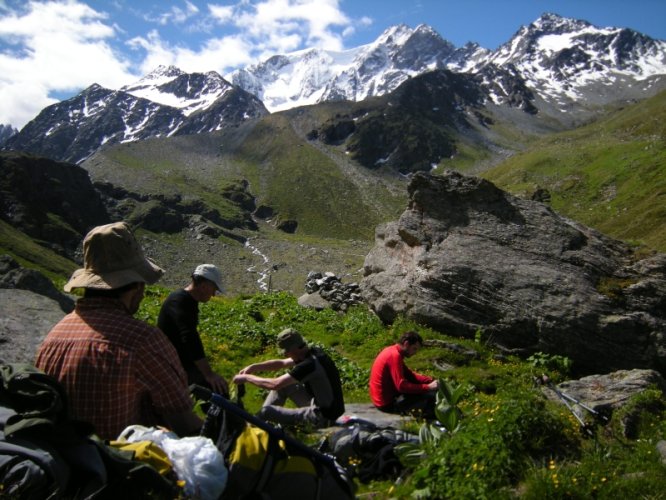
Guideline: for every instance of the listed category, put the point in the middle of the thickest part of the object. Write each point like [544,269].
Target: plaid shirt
[116,370]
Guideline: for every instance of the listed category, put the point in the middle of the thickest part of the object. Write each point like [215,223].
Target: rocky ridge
[72,130]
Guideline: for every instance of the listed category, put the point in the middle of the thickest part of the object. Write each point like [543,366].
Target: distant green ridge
[610,175]
[313,184]
[30,254]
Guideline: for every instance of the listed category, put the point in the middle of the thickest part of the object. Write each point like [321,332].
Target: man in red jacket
[394,388]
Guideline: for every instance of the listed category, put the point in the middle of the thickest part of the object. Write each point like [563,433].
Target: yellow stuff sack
[147,452]
[259,463]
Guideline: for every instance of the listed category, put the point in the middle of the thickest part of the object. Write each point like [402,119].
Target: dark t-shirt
[321,379]
[178,319]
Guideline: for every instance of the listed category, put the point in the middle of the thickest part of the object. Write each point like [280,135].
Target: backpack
[265,462]
[46,454]
[366,450]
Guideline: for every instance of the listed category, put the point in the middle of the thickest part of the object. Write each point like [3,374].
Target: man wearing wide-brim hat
[312,384]
[116,370]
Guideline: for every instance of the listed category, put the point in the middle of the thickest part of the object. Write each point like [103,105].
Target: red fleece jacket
[390,377]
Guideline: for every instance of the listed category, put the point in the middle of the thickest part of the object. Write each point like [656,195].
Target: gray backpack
[366,450]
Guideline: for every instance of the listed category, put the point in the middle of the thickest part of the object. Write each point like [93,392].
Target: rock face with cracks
[467,257]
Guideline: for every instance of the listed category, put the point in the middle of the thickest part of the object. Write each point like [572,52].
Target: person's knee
[266,412]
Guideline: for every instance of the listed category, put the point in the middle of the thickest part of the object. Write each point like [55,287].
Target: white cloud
[175,14]
[222,13]
[247,32]
[53,47]
[307,22]
[217,54]
[50,48]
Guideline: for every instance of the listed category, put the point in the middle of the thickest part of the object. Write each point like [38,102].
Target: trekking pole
[220,401]
[582,405]
[545,380]
[564,395]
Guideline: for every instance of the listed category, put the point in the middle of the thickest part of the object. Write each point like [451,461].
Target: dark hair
[113,293]
[197,279]
[411,337]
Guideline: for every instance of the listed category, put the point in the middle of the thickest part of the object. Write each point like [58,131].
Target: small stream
[264,273]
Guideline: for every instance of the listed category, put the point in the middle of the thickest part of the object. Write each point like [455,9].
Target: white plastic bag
[196,460]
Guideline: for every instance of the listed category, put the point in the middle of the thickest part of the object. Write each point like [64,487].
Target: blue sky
[52,49]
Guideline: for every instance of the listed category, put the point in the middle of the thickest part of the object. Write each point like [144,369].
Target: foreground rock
[12,275]
[25,319]
[466,256]
[614,389]
[604,394]
[55,203]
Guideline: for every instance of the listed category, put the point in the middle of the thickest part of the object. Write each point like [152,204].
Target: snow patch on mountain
[314,75]
[162,86]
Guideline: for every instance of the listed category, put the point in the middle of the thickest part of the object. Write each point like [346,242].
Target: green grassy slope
[304,181]
[30,254]
[610,175]
[300,180]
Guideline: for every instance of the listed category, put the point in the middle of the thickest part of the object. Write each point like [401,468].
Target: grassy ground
[511,441]
[610,175]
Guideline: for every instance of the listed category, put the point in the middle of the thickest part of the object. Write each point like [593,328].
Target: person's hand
[240,378]
[218,384]
[433,385]
[247,369]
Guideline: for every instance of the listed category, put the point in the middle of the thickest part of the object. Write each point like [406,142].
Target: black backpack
[46,454]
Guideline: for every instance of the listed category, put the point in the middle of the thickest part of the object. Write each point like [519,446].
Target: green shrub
[493,448]
[551,362]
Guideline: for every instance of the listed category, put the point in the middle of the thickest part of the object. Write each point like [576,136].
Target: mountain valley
[273,189]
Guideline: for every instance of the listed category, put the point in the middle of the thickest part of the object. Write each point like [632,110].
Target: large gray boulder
[25,319]
[466,256]
[12,275]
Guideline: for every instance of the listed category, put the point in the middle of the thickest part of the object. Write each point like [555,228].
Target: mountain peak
[395,35]
[166,71]
[160,75]
[554,23]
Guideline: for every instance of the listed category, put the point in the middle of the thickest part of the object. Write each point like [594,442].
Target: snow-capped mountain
[173,87]
[560,60]
[565,60]
[164,103]
[558,68]
[311,76]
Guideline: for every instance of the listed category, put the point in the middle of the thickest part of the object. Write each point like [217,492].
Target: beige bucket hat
[112,258]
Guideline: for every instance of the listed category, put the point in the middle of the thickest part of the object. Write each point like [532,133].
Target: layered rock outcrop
[467,257]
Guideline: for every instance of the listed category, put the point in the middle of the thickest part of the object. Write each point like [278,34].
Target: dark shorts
[418,405]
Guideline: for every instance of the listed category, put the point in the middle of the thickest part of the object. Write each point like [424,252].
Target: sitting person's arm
[272,384]
[270,365]
[416,378]
[216,382]
[406,383]
[186,423]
